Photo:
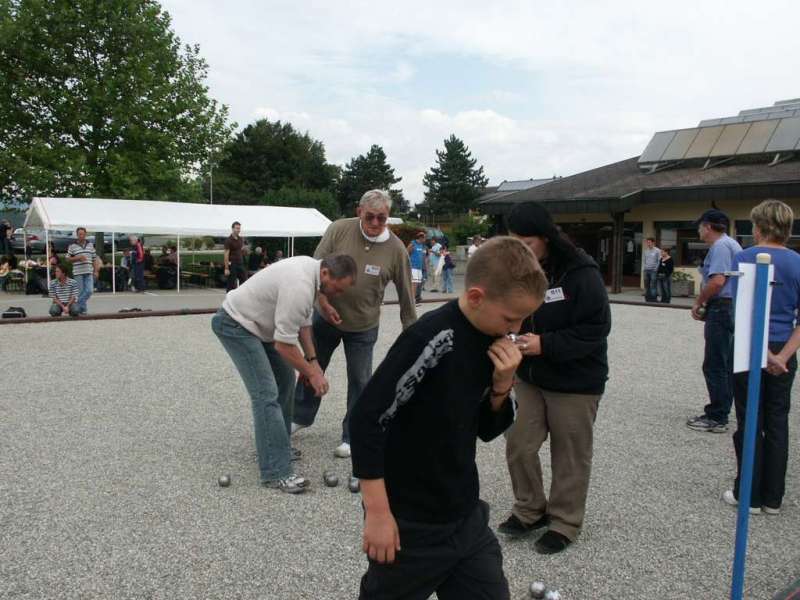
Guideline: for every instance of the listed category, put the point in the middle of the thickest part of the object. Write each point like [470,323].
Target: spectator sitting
[5,269]
[278,255]
[125,261]
[255,260]
[54,259]
[64,292]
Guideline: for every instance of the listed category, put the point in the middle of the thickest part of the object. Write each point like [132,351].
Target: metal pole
[751,423]
[47,247]
[178,250]
[211,184]
[113,264]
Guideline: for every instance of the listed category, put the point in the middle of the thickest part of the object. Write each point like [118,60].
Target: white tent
[173,218]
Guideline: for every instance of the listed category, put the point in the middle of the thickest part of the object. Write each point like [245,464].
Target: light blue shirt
[719,260]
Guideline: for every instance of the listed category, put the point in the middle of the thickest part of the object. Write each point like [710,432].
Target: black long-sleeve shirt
[416,423]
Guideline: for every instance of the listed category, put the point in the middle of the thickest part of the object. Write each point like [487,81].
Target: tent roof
[173,218]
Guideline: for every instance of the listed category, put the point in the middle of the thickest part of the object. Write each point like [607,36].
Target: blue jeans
[358,348]
[138,276]
[448,280]
[718,359]
[85,289]
[650,285]
[270,382]
[665,288]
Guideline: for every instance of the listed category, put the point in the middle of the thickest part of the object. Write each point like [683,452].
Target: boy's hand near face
[505,356]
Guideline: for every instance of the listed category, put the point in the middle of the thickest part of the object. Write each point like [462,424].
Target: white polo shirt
[277,301]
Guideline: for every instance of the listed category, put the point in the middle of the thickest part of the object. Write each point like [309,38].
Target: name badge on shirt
[554,295]
[373,270]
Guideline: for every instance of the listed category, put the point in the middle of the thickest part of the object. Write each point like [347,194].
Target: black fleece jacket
[417,422]
[573,331]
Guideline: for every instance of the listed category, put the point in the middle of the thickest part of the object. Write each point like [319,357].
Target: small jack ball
[354,484]
[537,590]
[224,481]
[552,595]
[330,479]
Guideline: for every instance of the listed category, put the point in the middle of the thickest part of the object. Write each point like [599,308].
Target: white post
[47,250]
[178,250]
[113,264]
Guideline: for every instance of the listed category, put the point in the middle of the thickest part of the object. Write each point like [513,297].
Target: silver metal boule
[224,480]
[330,479]
[552,595]
[354,484]
[537,590]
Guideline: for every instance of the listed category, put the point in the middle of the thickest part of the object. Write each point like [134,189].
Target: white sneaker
[342,450]
[297,427]
[771,511]
[291,485]
[729,498]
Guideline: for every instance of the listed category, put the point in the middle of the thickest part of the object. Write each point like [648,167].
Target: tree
[454,184]
[100,98]
[368,172]
[268,156]
[322,200]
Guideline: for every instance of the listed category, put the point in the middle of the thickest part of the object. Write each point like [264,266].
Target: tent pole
[47,250]
[113,264]
[178,250]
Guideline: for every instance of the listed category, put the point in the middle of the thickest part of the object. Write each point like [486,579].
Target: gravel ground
[109,459]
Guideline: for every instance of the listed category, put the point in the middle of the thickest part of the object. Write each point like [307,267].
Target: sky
[534,89]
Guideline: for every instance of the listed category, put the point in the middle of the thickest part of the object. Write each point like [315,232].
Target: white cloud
[607,75]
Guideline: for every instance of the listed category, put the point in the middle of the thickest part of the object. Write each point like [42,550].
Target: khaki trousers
[569,420]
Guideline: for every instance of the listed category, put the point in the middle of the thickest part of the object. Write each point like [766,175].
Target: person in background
[650,261]
[54,258]
[448,270]
[85,267]
[255,260]
[138,257]
[664,276]
[772,227]
[476,242]
[5,270]
[416,252]
[560,383]
[278,255]
[433,264]
[714,306]
[64,292]
[149,261]
[6,231]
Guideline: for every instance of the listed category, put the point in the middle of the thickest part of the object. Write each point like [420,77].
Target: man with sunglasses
[353,317]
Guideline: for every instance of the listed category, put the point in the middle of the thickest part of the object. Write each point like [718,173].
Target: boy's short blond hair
[774,220]
[504,266]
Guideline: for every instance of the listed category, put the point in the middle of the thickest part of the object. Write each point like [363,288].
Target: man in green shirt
[353,317]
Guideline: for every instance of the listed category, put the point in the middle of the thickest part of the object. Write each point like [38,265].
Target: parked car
[61,240]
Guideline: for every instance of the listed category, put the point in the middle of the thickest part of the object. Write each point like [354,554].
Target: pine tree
[369,172]
[454,184]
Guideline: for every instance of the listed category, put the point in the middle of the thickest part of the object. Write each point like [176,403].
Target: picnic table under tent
[171,218]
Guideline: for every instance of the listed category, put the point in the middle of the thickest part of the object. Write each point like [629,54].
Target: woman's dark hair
[532,219]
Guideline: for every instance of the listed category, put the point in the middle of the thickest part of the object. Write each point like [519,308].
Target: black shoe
[552,542]
[514,528]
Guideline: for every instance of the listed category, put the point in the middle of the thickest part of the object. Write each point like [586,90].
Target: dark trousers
[138,276]
[358,346]
[237,273]
[772,433]
[458,561]
[718,359]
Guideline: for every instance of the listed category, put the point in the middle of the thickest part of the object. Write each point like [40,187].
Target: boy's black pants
[458,561]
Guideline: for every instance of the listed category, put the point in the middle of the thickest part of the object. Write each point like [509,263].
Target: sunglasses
[368,217]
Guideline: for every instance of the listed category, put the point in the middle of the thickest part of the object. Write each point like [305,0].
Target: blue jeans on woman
[448,280]
[270,382]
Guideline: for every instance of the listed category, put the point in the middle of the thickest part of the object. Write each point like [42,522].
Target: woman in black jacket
[560,382]
[664,276]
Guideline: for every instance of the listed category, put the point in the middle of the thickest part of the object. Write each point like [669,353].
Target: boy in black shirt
[445,382]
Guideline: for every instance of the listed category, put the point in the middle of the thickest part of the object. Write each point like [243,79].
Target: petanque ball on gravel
[224,480]
[537,590]
[354,484]
[330,479]
[552,595]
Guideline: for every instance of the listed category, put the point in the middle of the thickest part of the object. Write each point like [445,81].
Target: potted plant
[682,284]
